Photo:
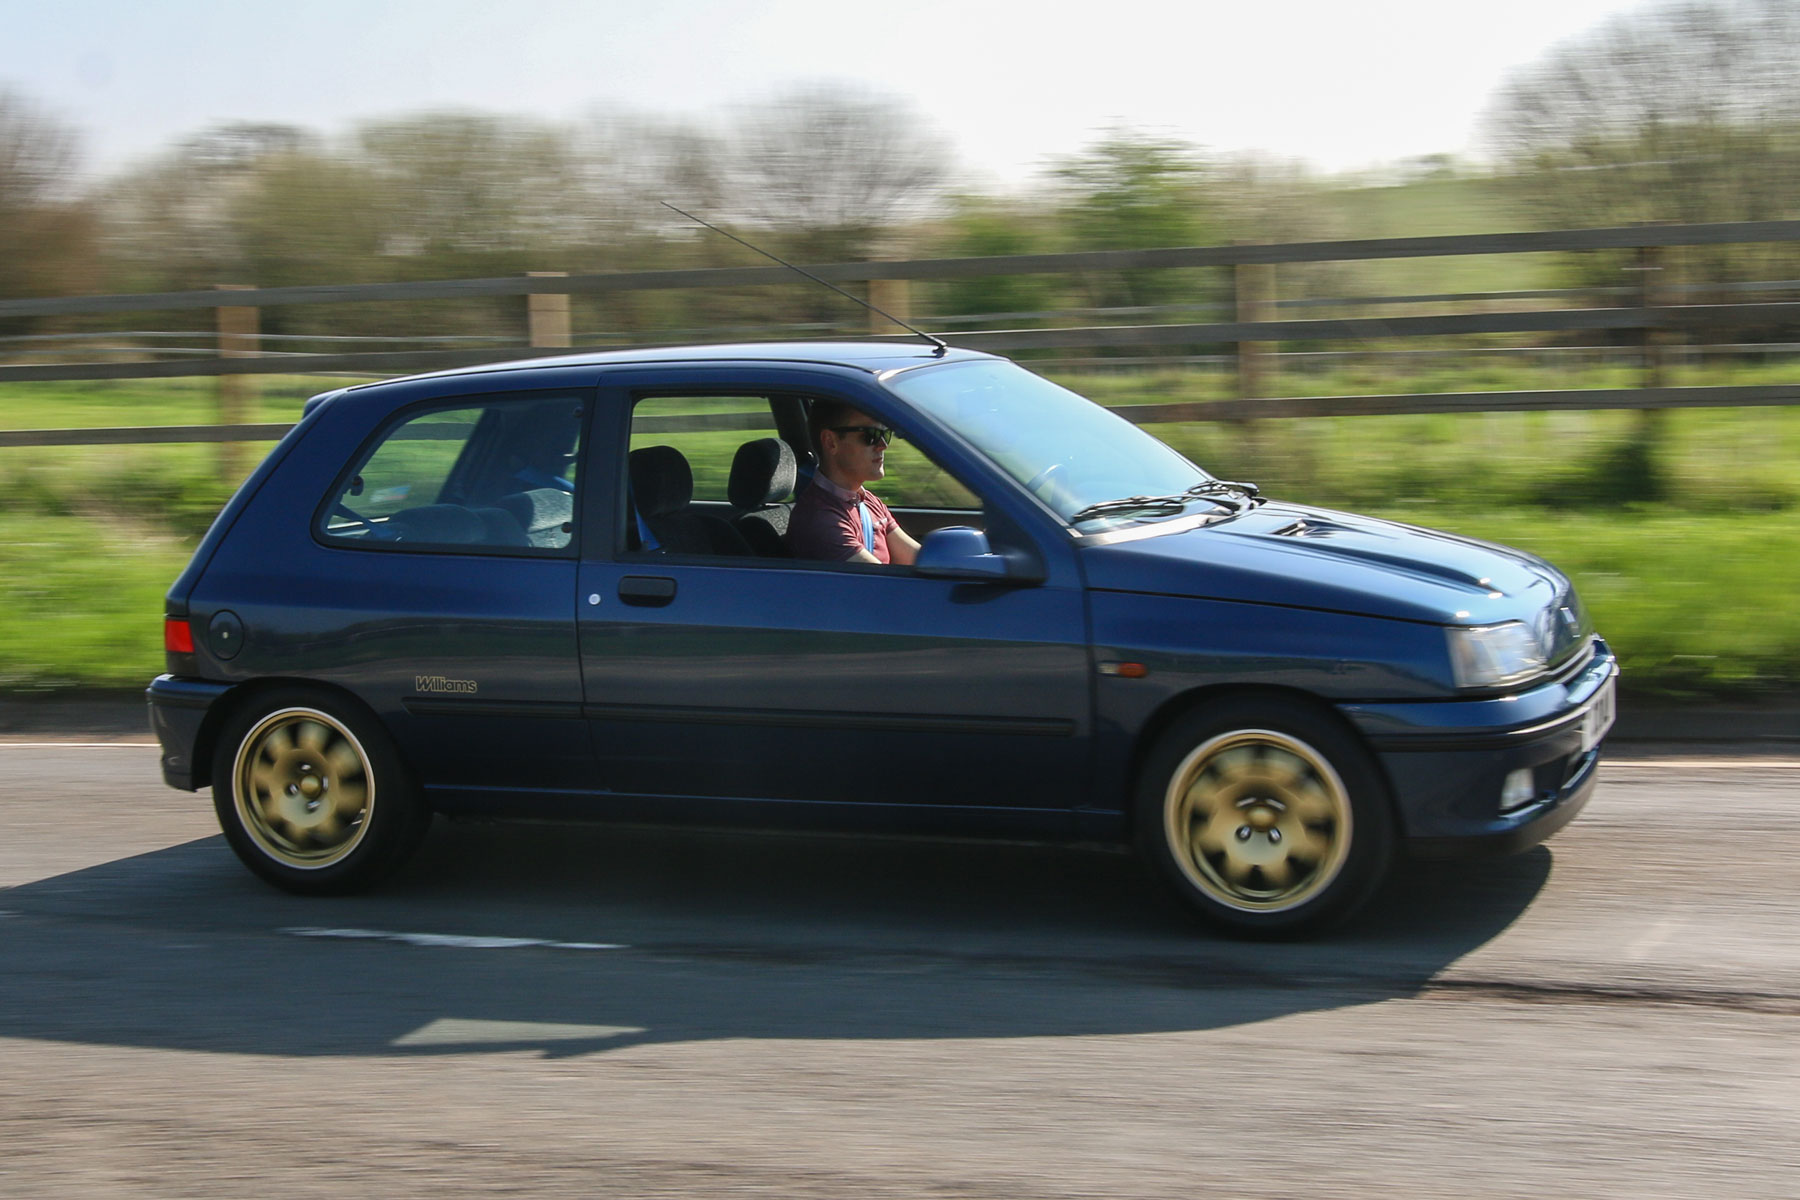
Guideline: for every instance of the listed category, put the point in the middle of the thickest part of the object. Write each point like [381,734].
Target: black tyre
[312,794]
[1267,818]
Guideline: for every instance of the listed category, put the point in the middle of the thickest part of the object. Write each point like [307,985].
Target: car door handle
[648,591]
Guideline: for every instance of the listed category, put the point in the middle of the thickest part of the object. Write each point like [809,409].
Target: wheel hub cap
[1258,820]
[302,787]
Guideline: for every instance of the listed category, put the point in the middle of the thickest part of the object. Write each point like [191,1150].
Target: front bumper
[1448,761]
[178,714]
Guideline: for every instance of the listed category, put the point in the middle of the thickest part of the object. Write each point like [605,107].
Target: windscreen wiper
[1212,486]
[1226,492]
[1221,491]
[1156,506]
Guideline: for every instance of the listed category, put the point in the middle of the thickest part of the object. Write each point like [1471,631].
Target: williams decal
[437,683]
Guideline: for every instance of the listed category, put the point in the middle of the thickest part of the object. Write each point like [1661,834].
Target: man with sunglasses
[837,518]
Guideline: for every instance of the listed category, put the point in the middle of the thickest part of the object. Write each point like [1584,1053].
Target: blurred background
[1620,401]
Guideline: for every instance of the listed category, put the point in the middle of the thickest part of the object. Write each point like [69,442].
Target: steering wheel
[1037,484]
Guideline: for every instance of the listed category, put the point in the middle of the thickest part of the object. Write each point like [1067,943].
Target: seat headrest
[762,472]
[539,508]
[661,480]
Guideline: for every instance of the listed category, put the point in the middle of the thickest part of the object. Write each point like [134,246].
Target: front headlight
[1487,656]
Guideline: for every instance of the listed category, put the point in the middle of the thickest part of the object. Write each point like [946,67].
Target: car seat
[762,475]
[662,488]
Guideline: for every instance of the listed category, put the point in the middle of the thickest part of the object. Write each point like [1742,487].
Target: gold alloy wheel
[1257,820]
[302,787]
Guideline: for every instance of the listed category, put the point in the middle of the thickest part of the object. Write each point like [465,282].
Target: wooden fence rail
[1689,318]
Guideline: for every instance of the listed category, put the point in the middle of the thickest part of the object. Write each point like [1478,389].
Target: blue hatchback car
[537,589]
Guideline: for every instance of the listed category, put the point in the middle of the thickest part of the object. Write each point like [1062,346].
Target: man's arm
[901,547]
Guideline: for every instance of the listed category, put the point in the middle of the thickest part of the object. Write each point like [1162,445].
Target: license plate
[1600,714]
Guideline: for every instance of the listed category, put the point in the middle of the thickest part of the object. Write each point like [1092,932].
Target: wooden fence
[1648,322]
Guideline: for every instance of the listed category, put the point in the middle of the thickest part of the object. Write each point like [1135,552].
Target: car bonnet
[1289,554]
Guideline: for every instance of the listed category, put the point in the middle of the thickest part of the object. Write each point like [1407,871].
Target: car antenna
[940,346]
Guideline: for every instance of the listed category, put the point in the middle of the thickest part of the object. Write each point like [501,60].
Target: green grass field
[1438,208]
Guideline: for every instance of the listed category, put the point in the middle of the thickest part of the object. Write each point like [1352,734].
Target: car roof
[873,357]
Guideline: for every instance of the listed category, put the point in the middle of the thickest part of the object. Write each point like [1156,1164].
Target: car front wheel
[312,795]
[1266,818]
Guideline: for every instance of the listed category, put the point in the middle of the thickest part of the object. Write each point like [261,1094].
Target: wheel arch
[246,694]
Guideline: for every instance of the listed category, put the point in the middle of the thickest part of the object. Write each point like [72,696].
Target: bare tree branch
[838,166]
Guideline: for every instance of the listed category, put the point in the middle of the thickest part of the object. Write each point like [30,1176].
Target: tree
[835,170]
[468,194]
[174,223]
[1131,191]
[635,161]
[1687,112]
[46,232]
[984,227]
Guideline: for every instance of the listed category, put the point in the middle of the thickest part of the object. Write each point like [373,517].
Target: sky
[1342,86]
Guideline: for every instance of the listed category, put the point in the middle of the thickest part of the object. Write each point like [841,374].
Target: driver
[837,518]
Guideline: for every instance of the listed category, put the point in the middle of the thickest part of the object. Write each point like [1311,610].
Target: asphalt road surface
[540,1010]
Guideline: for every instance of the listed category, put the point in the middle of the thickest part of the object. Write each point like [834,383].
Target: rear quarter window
[497,475]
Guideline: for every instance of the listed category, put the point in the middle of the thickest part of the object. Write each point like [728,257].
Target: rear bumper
[178,713]
[1447,762]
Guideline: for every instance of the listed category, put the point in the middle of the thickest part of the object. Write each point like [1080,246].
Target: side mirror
[959,552]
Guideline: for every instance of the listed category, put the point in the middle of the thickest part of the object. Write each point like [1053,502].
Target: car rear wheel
[312,795]
[1266,818]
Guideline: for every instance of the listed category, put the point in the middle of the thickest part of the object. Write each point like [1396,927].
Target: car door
[769,679]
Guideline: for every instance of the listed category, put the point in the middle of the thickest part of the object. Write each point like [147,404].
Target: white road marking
[453,1031]
[5,745]
[1653,937]
[462,941]
[1752,763]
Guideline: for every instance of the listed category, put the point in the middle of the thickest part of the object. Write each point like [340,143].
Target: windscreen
[1065,449]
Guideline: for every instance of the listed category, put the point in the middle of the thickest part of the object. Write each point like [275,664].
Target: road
[541,1010]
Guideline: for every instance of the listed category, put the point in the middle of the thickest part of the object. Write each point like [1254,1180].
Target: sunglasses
[873,435]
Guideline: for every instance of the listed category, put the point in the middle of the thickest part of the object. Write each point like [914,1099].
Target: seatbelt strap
[868,524]
[646,539]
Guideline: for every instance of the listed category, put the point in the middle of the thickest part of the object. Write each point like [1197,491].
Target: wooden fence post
[1652,295]
[894,296]
[240,329]
[547,313]
[1254,284]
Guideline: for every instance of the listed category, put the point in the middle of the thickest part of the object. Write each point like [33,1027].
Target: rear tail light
[178,635]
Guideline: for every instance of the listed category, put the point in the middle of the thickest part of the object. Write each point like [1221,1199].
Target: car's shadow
[599,937]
